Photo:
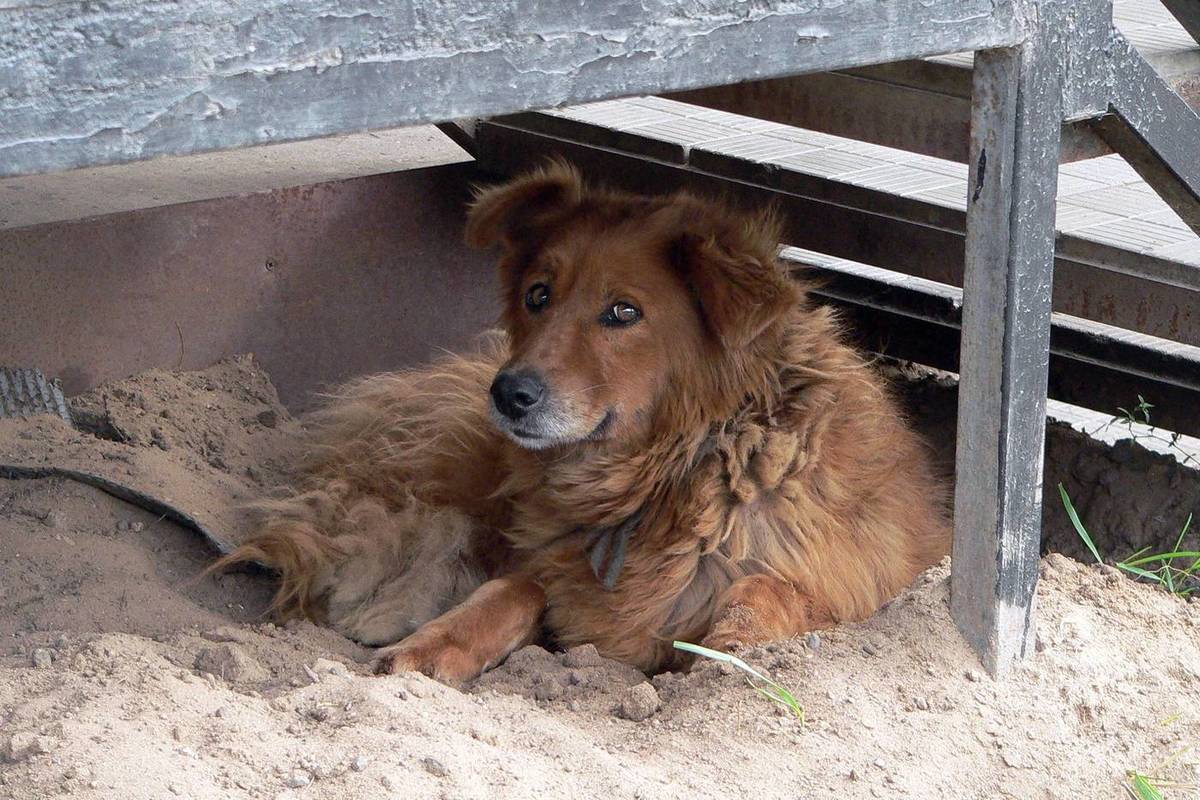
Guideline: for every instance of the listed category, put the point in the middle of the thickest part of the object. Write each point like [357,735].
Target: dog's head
[617,304]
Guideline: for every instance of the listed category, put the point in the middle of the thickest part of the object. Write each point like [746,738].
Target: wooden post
[1015,124]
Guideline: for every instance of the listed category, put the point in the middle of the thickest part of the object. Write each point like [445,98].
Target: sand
[123,674]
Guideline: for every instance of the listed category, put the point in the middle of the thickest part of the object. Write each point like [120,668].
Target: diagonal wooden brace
[1154,130]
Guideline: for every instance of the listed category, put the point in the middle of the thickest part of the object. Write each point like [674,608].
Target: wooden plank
[870,106]
[924,105]
[1092,365]
[1187,12]
[86,83]
[1015,126]
[1155,131]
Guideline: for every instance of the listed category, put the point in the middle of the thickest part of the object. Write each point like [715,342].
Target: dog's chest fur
[697,516]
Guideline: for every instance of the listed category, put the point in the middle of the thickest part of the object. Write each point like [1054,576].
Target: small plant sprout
[1136,421]
[1177,571]
[759,682]
[1141,787]
[1140,413]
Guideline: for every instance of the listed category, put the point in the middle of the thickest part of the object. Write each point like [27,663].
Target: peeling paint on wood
[1005,348]
[93,83]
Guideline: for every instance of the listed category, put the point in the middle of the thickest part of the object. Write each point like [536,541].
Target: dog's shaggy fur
[766,480]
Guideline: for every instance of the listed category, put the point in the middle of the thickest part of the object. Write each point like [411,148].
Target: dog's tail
[297,537]
[372,571]
[300,554]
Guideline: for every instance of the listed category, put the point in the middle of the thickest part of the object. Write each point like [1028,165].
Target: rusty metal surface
[320,282]
[1094,366]
[868,105]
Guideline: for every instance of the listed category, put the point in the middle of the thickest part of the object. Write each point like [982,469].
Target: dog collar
[606,548]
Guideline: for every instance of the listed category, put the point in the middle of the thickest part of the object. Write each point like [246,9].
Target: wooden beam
[1154,130]
[1092,365]
[1015,128]
[86,84]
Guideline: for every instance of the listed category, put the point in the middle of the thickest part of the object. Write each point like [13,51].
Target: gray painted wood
[924,106]
[1005,346]
[89,84]
[1156,132]
[1083,32]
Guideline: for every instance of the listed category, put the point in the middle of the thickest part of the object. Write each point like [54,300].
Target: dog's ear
[729,262]
[515,211]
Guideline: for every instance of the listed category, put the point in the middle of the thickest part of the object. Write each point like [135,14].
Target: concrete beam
[96,191]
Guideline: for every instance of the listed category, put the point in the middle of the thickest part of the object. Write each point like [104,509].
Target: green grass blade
[1187,524]
[1144,788]
[1195,564]
[1136,554]
[777,694]
[771,690]
[1141,573]
[717,655]
[1082,531]
[1165,558]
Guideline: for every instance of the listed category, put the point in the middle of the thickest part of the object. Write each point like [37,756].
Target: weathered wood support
[1015,125]
[1154,130]
[85,84]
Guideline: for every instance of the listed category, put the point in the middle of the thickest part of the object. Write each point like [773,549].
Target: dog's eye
[537,297]
[621,314]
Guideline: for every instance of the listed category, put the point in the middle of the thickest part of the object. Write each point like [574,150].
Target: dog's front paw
[435,656]
[734,630]
[724,641]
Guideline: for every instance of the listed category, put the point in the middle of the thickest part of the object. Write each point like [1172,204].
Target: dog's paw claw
[725,643]
[445,662]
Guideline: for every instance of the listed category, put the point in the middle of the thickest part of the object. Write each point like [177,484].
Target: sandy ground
[125,675]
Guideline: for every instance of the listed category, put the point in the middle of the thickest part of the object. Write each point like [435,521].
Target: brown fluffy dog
[669,441]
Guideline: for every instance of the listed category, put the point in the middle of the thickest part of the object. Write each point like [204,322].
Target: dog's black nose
[517,393]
